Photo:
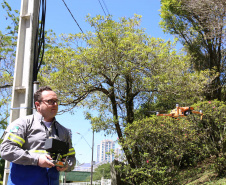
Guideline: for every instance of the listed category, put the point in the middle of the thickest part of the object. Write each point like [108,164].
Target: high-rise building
[105,151]
[119,154]
[98,154]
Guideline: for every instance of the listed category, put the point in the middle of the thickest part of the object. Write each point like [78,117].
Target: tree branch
[6,86]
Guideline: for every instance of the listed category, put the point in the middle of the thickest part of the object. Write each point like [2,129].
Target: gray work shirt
[25,138]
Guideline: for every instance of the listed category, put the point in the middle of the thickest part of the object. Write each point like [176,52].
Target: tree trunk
[119,132]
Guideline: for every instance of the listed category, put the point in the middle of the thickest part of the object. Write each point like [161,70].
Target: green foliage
[166,146]
[4,113]
[103,170]
[8,44]
[200,26]
[2,167]
[115,68]
[9,36]
[110,69]
[214,123]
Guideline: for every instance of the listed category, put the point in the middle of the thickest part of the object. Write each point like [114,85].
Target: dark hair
[38,93]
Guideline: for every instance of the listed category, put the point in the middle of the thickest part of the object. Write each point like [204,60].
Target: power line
[72,16]
[106,7]
[102,8]
[77,22]
[39,51]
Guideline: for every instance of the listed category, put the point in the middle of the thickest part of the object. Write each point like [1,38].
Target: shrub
[162,146]
[214,124]
[165,145]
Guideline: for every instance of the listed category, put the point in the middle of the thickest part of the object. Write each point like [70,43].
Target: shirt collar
[41,118]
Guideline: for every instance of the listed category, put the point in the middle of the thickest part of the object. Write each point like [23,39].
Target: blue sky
[60,21]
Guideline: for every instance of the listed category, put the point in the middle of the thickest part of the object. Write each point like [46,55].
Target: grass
[204,173]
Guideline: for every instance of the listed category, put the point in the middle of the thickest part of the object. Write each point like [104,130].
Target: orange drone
[181,112]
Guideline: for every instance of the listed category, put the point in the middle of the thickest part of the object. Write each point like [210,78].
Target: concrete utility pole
[22,91]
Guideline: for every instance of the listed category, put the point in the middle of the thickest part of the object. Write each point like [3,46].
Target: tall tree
[200,25]
[8,40]
[113,70]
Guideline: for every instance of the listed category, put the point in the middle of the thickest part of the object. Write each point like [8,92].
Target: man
[24,143]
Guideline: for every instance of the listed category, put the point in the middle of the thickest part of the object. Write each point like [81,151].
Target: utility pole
[22,91]
[92,160]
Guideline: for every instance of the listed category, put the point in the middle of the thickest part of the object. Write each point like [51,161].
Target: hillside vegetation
[185,151]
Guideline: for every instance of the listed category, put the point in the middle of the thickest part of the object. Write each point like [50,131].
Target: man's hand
[44,161]
[62,169]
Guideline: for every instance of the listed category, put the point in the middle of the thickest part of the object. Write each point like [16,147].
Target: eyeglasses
[51,102]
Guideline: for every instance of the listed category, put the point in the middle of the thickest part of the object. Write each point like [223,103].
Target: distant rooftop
[86,167]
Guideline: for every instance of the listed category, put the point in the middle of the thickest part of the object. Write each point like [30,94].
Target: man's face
[48,107]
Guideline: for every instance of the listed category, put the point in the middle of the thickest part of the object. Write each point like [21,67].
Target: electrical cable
[102,8]
[39,50]
[73,16]
[106,7]
[105,15]
[39,53]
